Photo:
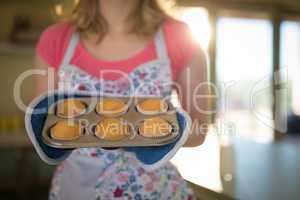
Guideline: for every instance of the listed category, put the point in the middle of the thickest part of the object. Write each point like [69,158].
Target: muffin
[111,107]
[112,129]
[155,127]
[152,106]
[70,108]
[65,130]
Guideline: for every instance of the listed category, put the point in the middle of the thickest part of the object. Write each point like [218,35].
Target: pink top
[180,45]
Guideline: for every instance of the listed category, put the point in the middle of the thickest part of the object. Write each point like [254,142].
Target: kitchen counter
[244,169]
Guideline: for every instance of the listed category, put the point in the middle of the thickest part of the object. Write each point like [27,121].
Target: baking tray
[90,118]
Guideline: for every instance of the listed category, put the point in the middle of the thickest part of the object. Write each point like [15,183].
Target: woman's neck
[116,12]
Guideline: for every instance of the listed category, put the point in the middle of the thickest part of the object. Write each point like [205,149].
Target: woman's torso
[91,172]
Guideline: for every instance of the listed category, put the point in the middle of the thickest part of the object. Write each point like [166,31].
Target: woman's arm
[192,83]
[47,81]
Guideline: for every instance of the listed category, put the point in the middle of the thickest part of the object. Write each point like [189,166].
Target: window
[244,63]
[290,61]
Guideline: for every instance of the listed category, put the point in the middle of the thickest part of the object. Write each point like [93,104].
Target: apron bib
[149,79]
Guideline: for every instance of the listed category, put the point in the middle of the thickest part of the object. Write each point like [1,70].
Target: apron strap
[70,50]
[160,45]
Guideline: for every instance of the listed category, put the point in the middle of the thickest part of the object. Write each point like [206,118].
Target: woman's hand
[194,97]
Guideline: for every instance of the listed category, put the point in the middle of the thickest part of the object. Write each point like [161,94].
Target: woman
[135,38]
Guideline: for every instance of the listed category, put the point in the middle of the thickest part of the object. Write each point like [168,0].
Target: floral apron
[98,174]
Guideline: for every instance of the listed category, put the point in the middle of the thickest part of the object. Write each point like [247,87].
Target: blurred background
[253,48]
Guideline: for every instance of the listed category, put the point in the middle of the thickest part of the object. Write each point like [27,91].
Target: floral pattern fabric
[122,177]
[149,80]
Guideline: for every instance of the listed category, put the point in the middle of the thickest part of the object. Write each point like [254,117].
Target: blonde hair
[146,18]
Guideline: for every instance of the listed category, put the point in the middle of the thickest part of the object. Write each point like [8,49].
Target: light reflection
[201,165]
[59,10]
[198,21]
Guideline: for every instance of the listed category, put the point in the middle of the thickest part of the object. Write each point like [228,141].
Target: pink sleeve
[53,43]
[180,44]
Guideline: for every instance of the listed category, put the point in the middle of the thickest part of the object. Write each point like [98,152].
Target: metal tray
[90,118]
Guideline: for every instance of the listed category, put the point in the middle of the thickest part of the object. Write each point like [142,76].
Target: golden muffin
[155,127]
[112,129]
[152,106]
[70,108]
[111,107]
[65,130]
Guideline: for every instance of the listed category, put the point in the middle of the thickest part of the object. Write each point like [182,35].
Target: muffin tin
[89,119]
